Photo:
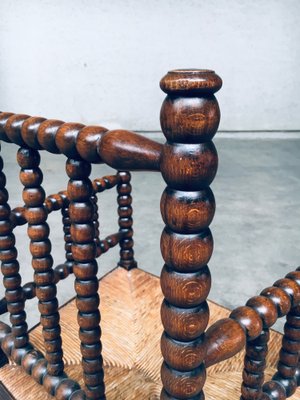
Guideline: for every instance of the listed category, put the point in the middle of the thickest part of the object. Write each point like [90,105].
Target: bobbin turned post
[127,260]
[190,117]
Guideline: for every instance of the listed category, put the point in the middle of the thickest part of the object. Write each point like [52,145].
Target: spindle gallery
[161,337]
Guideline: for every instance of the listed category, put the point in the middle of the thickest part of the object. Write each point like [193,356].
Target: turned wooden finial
[190,117]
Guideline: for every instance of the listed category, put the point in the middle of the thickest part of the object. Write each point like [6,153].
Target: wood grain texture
[85,268]
[10,268]
[40,247]
[195,81]
[189,119]
[253,321]
[188,162]
[125,221]
[132,362]
[123,150]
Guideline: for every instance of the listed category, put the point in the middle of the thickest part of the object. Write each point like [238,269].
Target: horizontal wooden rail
[123,150]
[56,202]
[62,271]
[249,326]
[34,364]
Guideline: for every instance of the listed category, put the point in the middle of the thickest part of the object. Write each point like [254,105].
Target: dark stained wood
[125,221]
[174,351]
[85,268]
[46,135]
[289,384]
[165,396]
[202,119]
[87,142]
[67,230]
[106,182]
[224,339]
[274,391]
[61,271]
[174,249]
[10,269]
[256,351]
[35,365]
[249,320]
[96,229]
[125,150]
[42,262]
[265,308]
[189,119]
[194,81]
[288,363]
[280,298]
[17,216]
[182,289]
[290,287]
[29,131]
[183,384]
[188,162]
[4,116]
[13,128]
[66,138]
[55,202]
[111,241]
[189,167]
[190,211]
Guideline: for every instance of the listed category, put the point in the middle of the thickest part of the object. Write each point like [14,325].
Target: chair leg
[189,119]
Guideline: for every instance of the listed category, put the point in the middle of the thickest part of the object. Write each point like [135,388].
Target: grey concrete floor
[256,227]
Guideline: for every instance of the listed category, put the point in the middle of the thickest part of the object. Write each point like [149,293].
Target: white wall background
[97,61]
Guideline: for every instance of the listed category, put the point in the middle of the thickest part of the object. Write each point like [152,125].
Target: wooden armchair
[124,362]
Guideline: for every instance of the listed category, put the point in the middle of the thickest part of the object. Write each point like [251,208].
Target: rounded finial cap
[180,81]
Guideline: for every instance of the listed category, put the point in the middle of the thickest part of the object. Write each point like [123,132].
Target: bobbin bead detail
[185,289]
[189,167]
[29,131]
[184,356]
[40,248]
[186,253]
[187,212]
[191,81]
[84,249]
[183,385]
[189,119]
[10,270]
[249,320]
[184,324]
[265,308]
[166,396]
[280,298]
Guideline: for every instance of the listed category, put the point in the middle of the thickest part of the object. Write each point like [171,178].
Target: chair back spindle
[40,247]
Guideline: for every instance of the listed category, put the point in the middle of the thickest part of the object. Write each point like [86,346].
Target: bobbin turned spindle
[127,260]
[190,117]
[85,269]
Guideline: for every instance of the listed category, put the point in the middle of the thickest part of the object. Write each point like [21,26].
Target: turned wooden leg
[189,119]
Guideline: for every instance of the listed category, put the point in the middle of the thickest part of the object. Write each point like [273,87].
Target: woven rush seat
[150,338]
[131,330]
